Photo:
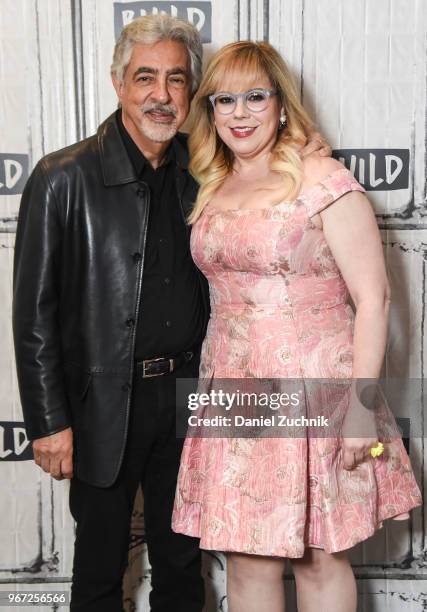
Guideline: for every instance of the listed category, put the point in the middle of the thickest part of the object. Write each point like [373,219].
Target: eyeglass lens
[254,100]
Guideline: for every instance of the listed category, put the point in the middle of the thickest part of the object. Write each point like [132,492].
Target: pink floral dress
[280,309]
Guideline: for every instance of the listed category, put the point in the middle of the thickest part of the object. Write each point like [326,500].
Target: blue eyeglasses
[255,100]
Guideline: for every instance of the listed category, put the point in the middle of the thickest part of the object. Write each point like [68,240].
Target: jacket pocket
[77,381]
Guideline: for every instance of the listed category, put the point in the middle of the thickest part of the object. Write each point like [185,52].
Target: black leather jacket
[79,258]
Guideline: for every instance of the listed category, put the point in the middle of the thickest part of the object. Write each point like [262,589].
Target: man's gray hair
[150,29]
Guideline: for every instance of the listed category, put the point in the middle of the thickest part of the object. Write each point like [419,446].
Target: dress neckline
[272,207]
[215,209]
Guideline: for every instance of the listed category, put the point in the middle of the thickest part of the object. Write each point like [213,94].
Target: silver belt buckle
[145,362]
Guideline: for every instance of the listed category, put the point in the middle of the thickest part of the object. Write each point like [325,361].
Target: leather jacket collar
[117,168]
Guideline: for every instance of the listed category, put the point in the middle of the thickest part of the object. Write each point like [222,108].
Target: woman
[283,243]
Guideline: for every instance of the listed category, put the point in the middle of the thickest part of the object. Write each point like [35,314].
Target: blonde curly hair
[211,159]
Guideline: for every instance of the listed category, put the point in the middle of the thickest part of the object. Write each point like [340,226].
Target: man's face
[156,90]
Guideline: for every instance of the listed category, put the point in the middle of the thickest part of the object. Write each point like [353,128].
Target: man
[109,310]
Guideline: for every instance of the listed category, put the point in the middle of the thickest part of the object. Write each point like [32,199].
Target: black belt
[162,365]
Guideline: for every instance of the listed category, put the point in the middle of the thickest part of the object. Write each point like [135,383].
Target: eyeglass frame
[268,92]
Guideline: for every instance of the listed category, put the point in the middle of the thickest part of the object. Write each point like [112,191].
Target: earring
[283,122]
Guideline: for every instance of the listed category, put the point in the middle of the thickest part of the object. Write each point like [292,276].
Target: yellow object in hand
[377,450]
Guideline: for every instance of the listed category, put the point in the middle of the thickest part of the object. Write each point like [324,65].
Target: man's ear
[192,93]
[118,85]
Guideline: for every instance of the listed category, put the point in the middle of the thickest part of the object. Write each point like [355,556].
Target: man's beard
[156,131]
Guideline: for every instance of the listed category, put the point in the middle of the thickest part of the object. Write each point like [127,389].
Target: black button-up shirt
[171,314]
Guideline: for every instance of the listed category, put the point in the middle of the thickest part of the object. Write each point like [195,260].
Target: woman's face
[248,133]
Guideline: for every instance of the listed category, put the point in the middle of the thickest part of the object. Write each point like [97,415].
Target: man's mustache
[166,109]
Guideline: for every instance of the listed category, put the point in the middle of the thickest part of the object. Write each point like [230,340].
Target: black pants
[103,514]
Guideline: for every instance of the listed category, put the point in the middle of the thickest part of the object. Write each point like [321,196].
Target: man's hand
[54,454]
[316,143]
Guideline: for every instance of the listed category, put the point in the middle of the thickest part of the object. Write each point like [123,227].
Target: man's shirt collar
[139,161]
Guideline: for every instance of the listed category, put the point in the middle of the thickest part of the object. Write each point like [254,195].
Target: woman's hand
[359,434]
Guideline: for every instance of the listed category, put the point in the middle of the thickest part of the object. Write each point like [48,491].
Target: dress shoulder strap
[329,189]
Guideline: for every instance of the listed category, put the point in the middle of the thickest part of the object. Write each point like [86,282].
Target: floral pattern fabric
[280,309]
